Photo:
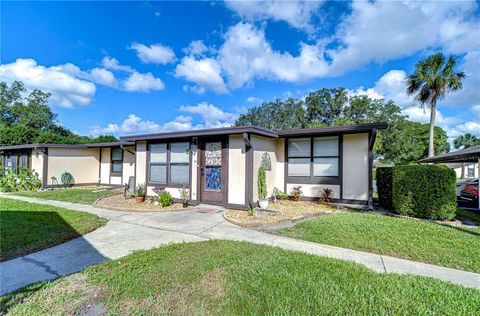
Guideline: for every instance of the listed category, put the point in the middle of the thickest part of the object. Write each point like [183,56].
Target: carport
[471,154]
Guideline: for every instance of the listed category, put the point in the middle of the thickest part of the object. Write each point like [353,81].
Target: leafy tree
[27,118]
[275,115]
[408,142]
[433,78]
[466,141]
[325,105]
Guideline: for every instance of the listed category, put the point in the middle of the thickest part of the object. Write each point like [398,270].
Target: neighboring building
[220,166]
[101,163]
[465,170]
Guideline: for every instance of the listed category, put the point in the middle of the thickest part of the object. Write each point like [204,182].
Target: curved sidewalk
[129,231]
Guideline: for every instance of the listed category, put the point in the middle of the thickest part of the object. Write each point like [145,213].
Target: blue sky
[140,67]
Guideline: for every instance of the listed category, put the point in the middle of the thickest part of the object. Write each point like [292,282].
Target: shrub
[262,184]
[25,180]
[327,194]
[164,198]
[424,191]
[296,192]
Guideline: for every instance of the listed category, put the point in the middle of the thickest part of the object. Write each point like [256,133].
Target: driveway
[126,232]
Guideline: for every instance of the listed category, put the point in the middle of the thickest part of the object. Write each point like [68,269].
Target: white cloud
[472,127]
[112,63]
[206,73]
[476,110]
[154,54]
[254,100]
[103,76]
[384,30]
[197,48]
[138,82]
[67,90]
[211,115]
[470,93]
[135,124]
[297,14]
[418,114]
[391,86]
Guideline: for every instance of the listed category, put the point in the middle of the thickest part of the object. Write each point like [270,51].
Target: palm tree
[465,141]
[433,78]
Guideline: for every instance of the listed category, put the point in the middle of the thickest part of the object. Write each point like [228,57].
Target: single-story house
[464,170]
[220,165]
[101,163]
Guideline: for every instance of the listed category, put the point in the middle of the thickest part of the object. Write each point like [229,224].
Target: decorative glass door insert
[213,166]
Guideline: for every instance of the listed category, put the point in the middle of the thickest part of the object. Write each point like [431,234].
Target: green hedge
[424,191]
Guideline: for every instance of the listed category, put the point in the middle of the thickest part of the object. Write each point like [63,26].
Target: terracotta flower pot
[139,199]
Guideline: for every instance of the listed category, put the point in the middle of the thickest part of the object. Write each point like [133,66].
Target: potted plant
[139,193]
[262,188]
[184,195]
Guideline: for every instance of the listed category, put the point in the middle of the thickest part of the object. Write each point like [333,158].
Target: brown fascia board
[204,132]
[332,130]
[80,146]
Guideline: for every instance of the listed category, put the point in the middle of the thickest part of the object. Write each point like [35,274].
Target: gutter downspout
[371,143]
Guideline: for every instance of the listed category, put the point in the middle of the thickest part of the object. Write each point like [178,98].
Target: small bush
[25,180]
[327,194]
[262,183]
[164,198]
[424,191]
[296,193]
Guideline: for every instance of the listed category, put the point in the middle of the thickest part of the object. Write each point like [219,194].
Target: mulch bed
[118,202]
[285,211]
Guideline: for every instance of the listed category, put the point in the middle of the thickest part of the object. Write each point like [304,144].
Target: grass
[28,227]
[74,195]
[417,240]
[233,278]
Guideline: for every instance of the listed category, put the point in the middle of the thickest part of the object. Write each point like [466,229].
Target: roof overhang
[471,154]
[78,146]
[203,132]
[332,130]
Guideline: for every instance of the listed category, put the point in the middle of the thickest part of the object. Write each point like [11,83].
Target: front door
[213,171]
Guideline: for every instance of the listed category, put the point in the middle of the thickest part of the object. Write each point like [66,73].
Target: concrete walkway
[129,231]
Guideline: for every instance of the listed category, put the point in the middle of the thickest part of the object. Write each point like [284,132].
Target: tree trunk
[433,112]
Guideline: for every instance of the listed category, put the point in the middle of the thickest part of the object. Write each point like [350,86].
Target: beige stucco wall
[280,167]
[128,167]
[236,170]
[37,160]
[141,164]
[175,192]
[105,166]
[355,166]
[83,164]
[315,190]
[260,146]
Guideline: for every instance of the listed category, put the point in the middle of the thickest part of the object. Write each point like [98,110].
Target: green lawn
[28,227]
[74,195]
[406,238]
[232,278]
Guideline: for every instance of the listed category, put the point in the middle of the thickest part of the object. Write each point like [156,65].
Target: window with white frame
[169,163]
[313,157]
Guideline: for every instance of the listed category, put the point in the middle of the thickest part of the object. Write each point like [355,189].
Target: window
[169,163]
[15,161]
[471,172]
[313,157]
[117,160]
